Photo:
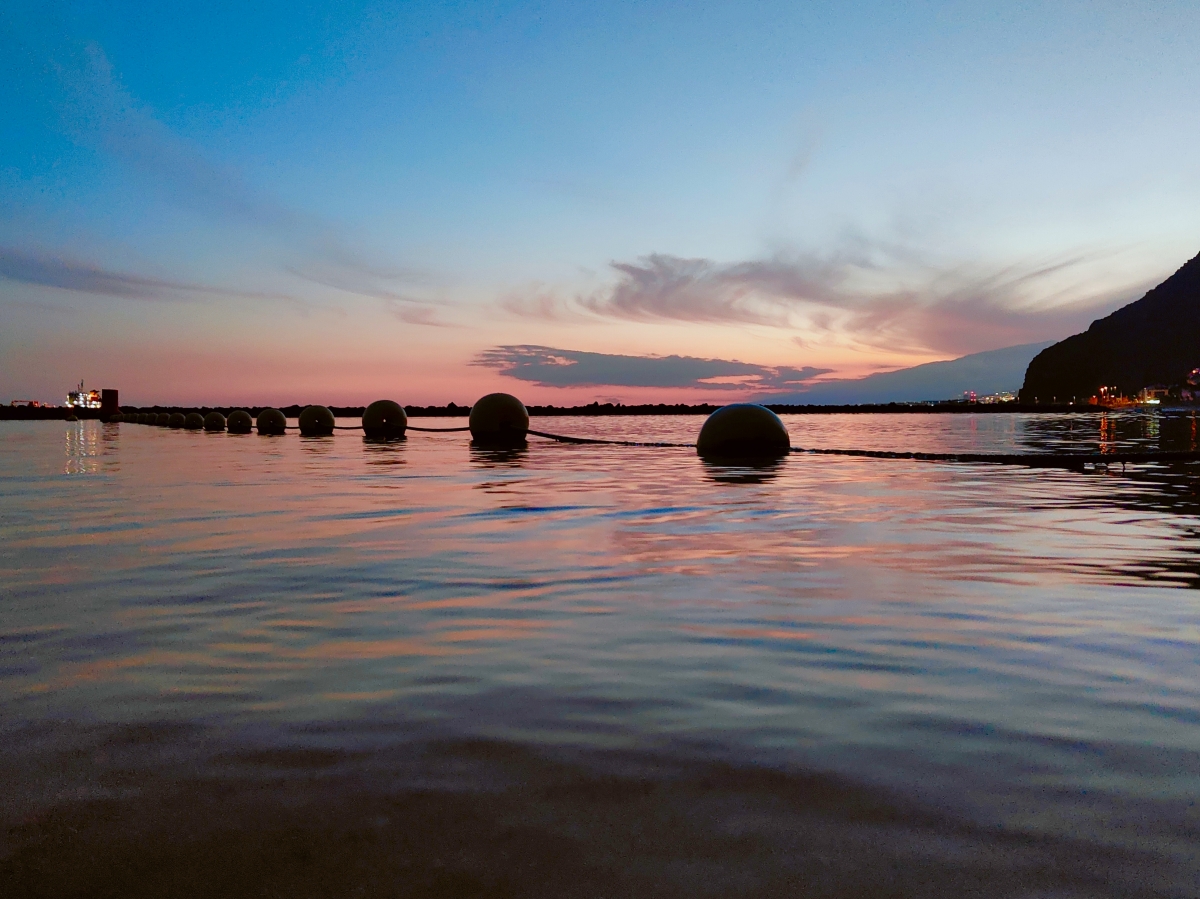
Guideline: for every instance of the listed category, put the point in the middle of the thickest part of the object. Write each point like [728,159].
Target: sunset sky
[277,203]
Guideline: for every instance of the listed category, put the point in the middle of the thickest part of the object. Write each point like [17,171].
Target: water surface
[600,669]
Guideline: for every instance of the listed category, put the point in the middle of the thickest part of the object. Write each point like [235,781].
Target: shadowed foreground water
[308,667]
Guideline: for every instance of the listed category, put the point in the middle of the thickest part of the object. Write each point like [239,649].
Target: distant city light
[83,399]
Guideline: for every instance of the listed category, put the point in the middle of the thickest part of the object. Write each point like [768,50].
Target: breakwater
[453,410]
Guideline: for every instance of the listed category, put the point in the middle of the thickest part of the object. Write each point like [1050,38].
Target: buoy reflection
[498,456]
[757,471]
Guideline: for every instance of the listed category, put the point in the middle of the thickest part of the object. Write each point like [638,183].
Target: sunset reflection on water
[996,640]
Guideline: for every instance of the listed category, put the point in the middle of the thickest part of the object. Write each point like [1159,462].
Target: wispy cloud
[347,271]
[85,277]
[875,295]
[551,367]
[100,112]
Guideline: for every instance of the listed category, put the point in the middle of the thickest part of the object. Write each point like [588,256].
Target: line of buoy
[239,422]
[499,419]
[271,422]
[316,421]
[739,433]
[384,420]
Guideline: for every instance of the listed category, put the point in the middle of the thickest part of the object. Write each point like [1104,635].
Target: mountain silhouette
[987,372]
[1155,340]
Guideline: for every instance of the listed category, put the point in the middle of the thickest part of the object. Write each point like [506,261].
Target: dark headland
[1153,341]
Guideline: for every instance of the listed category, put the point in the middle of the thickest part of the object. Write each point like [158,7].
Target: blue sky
[279,202]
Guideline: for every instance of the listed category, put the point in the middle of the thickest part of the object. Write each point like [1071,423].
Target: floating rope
[1035,460]
[1072,461]
[564,439]
[407,428]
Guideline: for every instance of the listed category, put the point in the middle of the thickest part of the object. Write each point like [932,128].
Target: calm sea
[242,665]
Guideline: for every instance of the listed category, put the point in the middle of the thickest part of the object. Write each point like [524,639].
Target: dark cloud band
[550,367]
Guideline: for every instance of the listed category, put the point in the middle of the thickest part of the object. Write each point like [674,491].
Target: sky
[275,203]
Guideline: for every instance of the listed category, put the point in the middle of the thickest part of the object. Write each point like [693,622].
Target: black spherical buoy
[316,421]
[162,419]
[499,419]
[194,421]
[147,418]
[743,431]
[214,421]
[176,420]
[239,422]
[383,419]
[271,422]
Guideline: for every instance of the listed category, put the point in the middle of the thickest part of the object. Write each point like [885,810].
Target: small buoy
[271,422]
[316,421]
[176,420]
[194,421]
[162,419]
[498,419]
[383,419]
[239,422]
[72,417]
[214,421]
[743,431]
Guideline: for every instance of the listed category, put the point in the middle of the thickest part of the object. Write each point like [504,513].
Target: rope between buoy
[1047,460]
[562,438]
[407,428]
[1033,460]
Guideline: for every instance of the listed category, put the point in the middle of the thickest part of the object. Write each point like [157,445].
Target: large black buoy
[144,418]
[194,421]
[316,421]
[384,419]
[743,431]
[239,422]
[271,422]
[176,420]
[162,419]
[499,419]
[214,421]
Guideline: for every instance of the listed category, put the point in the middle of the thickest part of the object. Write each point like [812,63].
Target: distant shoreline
[24,413]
